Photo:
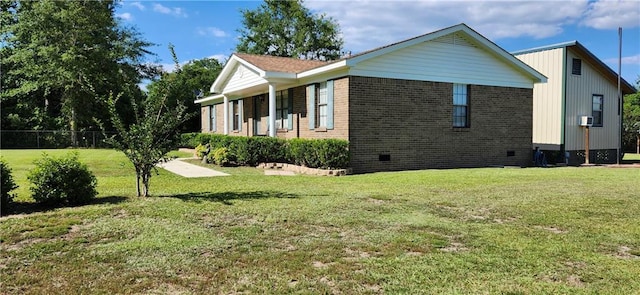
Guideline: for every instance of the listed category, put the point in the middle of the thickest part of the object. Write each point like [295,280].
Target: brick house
[447,99]
[579,84]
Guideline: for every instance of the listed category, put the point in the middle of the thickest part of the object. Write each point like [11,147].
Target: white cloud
[626,60]
[212,31]
[368,24]
[611,14]
[220,57]
[631,60]
[125,16]
[175,11]
[137,5]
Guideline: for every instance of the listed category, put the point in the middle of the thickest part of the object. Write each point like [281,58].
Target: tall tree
[194,79]
[288,28]
[631,119]
[154,132]
[60,54]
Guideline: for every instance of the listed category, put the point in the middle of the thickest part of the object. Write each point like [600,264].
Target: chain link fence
[51,139]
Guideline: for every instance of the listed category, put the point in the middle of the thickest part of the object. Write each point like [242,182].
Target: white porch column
[272,109]
[225,116]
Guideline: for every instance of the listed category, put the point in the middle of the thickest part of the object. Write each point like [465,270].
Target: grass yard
[630,157]
[464,231]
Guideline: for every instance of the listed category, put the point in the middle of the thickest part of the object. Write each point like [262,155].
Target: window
[596,112]
[576,66]
[282,109]
[236,115]
[321,108]
[460,106]
[212,118]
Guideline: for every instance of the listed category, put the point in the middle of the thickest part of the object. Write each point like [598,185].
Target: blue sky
[200,29]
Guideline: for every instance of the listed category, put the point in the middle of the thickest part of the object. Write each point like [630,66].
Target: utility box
[586,121]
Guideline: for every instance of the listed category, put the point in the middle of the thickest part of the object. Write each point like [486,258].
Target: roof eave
[209,98]
[227,70]
[323,69]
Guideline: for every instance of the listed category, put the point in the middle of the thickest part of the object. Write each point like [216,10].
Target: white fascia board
[211,98]
[216,87]
[538,77]
[323,69]
[227,71]
[277,75]
[479,39]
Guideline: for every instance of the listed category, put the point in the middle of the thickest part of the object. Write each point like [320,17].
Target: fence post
[38,138]
[94,139]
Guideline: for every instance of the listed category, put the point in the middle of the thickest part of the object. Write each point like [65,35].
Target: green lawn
[631,157]
[463,231]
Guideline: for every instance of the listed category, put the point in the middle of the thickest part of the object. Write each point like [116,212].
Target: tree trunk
[138,183]
[145,183]
[74,128]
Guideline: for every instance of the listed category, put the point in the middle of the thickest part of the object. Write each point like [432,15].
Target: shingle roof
[270,63]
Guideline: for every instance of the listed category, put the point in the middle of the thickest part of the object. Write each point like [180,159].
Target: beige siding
[580,90]
[450,58]
[547,97]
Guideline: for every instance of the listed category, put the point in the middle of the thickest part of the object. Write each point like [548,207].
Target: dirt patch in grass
[376,201]
[454,247]
[331,284]
[575,281]
[505,220]
[22,244]
[625,252]
[551,229]
[319,264]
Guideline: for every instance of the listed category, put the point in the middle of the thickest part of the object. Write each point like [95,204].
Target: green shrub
[314,153]
[202,150]
[237,148]
[6,186]
[62,181]
[221,156]
[333,153]
[266,149]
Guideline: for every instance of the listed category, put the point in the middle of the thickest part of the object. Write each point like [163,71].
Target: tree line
[61,60]
[73,65]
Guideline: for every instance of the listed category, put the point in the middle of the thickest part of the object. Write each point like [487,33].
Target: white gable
[241,78]
[452,58]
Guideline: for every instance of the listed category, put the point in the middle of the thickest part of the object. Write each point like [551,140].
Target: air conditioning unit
[586,121]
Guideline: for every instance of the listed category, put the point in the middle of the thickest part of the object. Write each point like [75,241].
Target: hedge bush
[220,156]
[6,186]
[62,181]
[240,150]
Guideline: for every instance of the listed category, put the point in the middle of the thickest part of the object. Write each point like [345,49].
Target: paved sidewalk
[189,170]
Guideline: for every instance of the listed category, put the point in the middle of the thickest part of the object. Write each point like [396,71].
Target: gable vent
[576,66]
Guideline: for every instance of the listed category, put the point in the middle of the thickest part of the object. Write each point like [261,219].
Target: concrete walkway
[189,170]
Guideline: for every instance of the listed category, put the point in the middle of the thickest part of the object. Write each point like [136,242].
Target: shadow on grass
[30,207]
[227,197]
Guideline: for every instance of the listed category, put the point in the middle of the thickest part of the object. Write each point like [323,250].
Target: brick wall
[300,116]
[411,122]
[204,119]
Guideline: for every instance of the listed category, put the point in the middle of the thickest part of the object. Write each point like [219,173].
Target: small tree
[631,119]
[6,186]
[154,132]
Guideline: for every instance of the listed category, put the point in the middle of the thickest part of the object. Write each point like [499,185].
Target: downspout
[564,105]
